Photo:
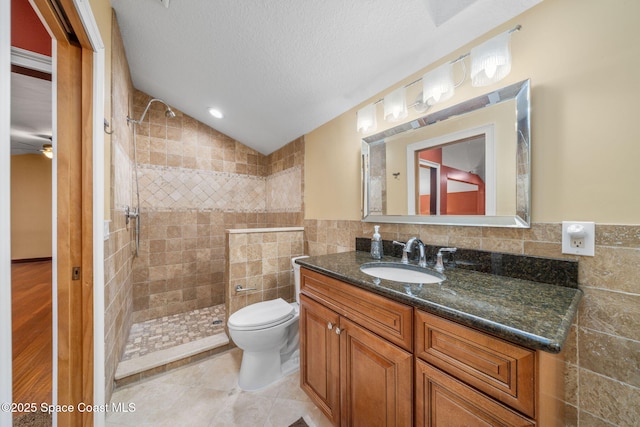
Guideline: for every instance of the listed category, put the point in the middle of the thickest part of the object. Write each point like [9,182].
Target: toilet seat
[261,315]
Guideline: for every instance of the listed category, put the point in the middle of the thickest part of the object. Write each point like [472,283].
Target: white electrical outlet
[578,238]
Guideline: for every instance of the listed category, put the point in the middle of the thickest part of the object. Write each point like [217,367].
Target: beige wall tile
[270,273]
[613,268]
[612,356]
[613,313]
[571,384]
[608,399]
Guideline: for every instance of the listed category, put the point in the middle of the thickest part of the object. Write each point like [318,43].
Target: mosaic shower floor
[170,331]
[162,344]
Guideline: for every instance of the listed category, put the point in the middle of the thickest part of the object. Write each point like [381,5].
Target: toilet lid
[261,315]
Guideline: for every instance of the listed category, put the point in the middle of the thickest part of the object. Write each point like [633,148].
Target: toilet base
[259,369]
[292,364]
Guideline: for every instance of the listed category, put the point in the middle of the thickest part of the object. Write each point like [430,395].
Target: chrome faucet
[439,264]
[408,248]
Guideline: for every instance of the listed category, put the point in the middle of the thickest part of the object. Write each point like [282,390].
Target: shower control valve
[128,214]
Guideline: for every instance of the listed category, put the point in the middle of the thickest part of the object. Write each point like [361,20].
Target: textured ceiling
[280,68]
[30,114]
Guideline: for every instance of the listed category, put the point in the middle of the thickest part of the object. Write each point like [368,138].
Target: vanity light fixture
[491,61]
[395,105]
[216,113]
[47,150]
[437,84]
[367,120]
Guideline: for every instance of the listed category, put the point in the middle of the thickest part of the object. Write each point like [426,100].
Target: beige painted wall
[583,58]
[30,206]
[102,12]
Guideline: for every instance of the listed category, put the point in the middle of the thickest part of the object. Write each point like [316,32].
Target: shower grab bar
[239,288]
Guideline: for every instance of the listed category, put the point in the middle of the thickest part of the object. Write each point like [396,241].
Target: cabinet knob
[339,331]
[329,326]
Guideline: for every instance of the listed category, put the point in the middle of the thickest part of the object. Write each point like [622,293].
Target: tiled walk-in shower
[162,344]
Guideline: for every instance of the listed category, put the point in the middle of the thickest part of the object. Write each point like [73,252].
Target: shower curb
[133,370]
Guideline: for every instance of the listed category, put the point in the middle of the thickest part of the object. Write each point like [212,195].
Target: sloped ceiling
[278,69]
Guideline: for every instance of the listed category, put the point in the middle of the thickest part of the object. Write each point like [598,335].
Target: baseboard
[21,261]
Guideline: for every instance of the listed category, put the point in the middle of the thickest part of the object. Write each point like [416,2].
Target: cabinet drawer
[389,319]
[500,369]
[441,400]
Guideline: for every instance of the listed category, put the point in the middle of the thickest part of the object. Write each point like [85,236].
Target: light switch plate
[586,245]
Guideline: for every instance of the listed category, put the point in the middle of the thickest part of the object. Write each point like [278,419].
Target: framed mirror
[468,164]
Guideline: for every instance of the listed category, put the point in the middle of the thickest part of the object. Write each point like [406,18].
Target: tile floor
[168,331]
[206,394]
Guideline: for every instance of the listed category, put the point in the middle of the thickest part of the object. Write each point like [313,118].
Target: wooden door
[320,357]
[74,204]
[443,401]
[376,379]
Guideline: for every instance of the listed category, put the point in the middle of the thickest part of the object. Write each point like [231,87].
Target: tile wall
[261,259]
[602,354]
[196,182]
[118,248]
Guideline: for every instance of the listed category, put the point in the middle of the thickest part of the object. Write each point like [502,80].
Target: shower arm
[168,112]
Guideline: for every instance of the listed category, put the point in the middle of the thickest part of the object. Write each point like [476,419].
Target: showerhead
[168,112]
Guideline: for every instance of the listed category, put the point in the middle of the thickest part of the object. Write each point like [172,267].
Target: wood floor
[31,327]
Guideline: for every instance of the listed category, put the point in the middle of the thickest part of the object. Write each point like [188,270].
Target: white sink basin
[405,273]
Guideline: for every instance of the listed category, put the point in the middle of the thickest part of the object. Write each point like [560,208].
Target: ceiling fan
[25,142]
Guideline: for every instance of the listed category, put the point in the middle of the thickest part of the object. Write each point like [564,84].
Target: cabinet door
[320,357]
[502,370]
[443,401]
[376,379]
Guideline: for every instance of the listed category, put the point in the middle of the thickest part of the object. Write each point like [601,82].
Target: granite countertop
[535,315]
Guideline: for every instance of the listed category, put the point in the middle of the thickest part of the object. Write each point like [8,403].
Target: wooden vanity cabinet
[361,364]
[355,376]
[468,377]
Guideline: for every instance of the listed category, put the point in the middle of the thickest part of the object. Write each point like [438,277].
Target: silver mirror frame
[521,92]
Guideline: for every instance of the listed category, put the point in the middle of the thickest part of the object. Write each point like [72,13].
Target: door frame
[78,211]
[6,418]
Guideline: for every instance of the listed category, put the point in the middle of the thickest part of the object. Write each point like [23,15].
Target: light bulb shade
[47,150]
[491,61]
[395,105]
[367,121]
[437,85]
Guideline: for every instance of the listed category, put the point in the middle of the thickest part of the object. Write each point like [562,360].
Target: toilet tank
[296,275]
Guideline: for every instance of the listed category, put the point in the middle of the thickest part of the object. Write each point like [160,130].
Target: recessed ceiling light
[216,113]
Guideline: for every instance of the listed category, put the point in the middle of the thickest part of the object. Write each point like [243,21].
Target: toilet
[267,332]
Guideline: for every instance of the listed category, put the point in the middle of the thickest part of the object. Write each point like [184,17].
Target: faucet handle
[439,267]
[450,259]
[405,258]
[451,250]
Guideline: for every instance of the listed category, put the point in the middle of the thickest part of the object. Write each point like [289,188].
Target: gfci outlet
[578,238]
